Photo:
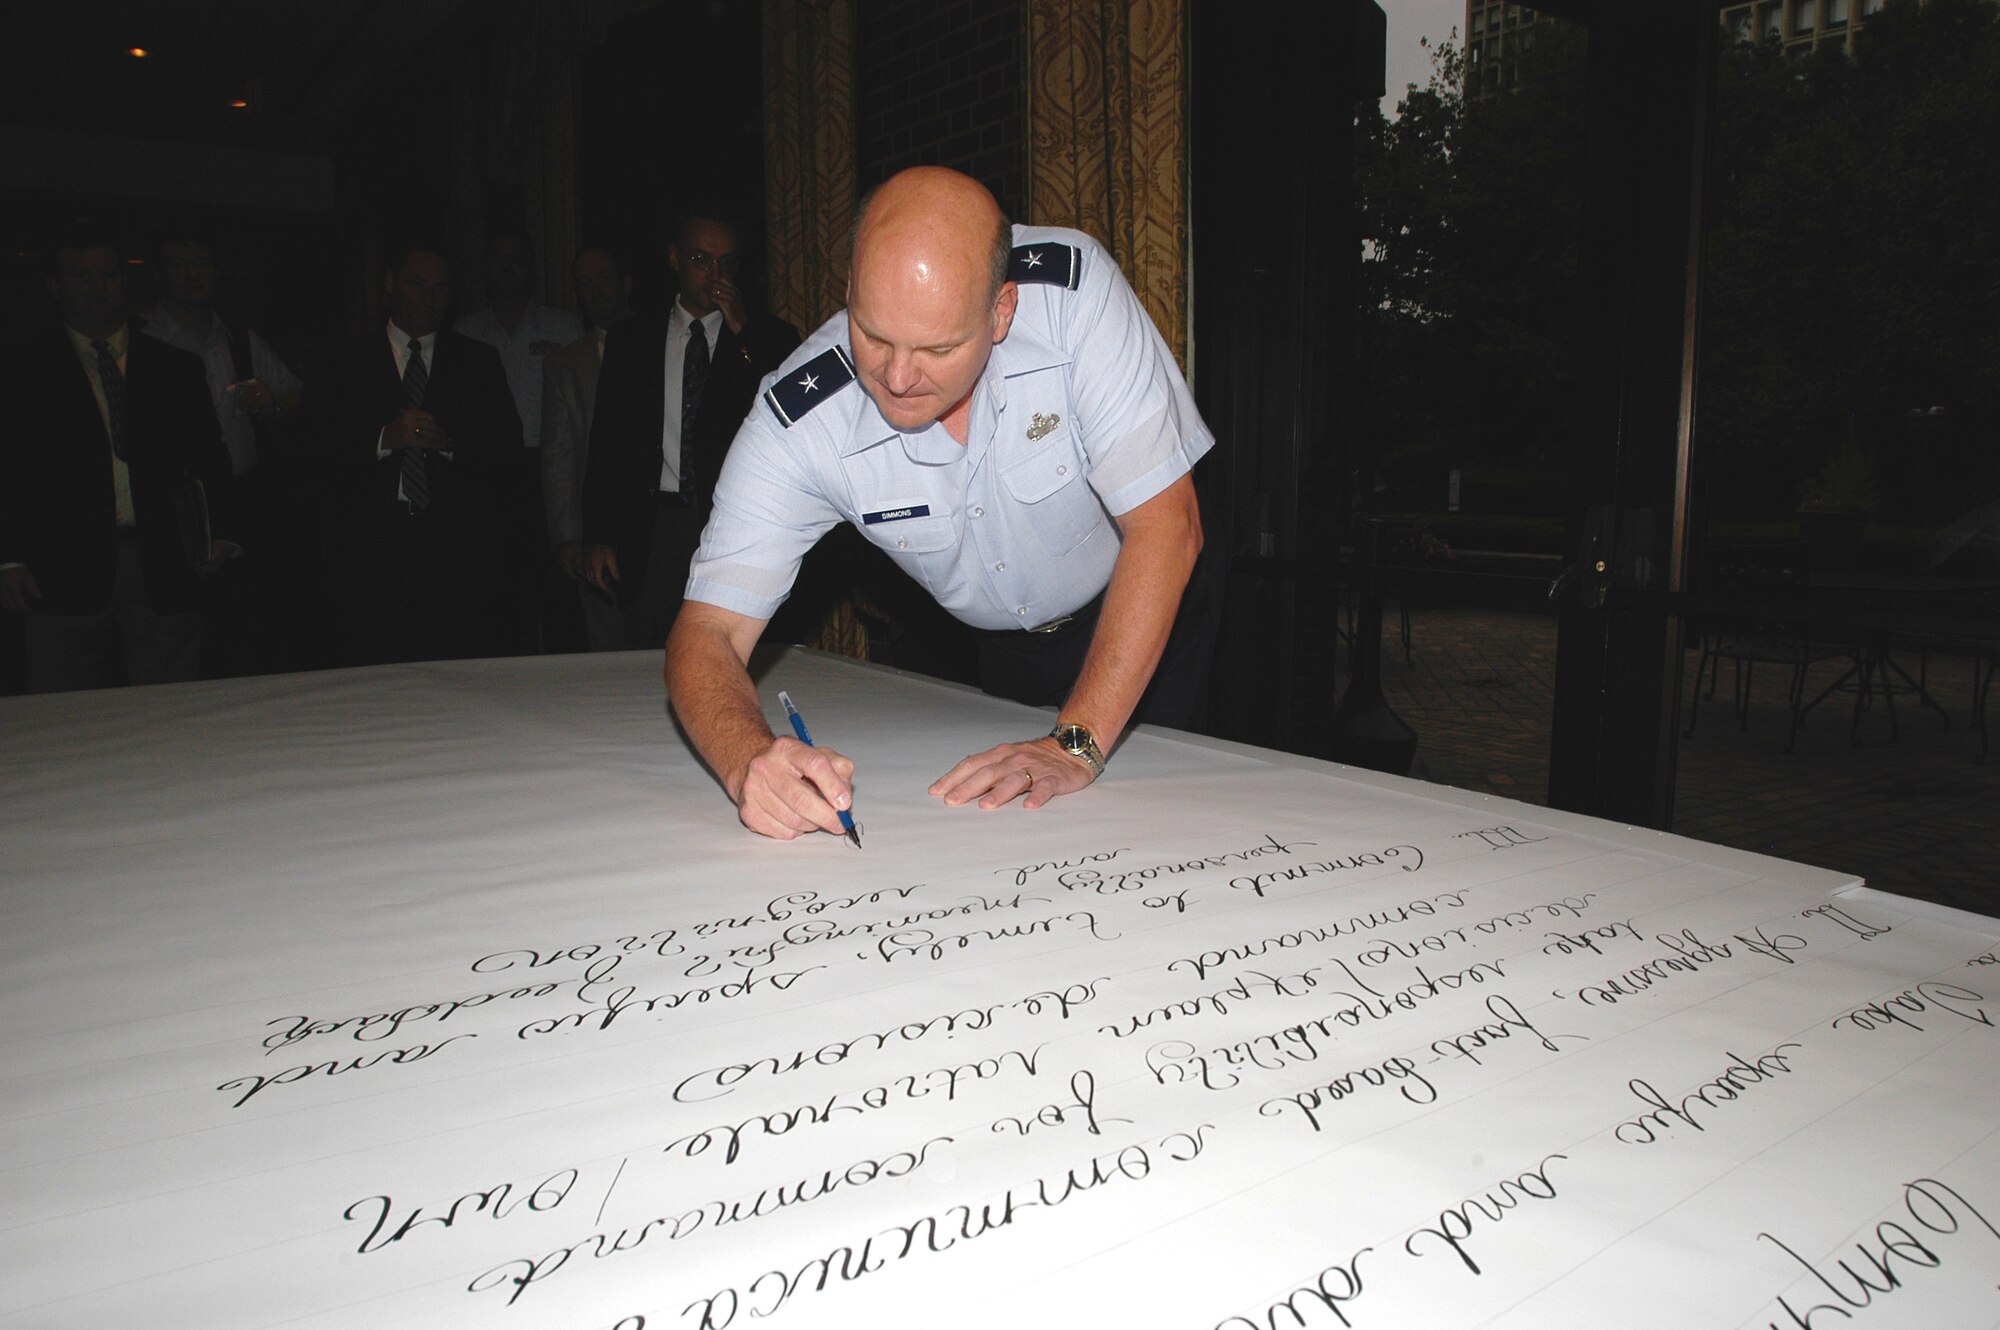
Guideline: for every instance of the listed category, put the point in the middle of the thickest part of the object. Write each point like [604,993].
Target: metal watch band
[1067,734]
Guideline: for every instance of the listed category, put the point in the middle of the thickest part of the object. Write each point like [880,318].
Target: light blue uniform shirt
[1080,415]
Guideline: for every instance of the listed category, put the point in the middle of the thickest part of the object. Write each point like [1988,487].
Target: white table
[454,996]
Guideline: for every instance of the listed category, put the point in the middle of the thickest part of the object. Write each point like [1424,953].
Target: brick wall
[942,84]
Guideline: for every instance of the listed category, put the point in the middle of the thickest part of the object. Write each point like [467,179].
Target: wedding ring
[1031,780]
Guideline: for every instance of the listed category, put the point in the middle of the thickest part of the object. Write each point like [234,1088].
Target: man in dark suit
[418,437]
[656,442]
[101,538]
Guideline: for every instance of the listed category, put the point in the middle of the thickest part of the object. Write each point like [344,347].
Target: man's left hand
[1034,772]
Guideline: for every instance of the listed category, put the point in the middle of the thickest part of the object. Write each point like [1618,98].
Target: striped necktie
[113,380]
[694,377]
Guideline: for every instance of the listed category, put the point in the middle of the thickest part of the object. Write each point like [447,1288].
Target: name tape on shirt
[902,514]
[1055,264]
[806,386]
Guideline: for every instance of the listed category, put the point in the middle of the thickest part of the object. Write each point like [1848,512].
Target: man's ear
[674,257]
[1003,311]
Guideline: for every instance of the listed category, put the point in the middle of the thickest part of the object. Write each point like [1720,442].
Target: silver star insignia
[1034,260]
[810,383]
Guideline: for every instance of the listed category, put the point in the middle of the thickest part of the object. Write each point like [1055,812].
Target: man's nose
[901,375]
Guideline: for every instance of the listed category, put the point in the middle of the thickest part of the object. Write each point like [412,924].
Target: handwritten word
[1454,1226]
[923,942]
[1690,954]
[919,1085]
[495,1202]
[656,942]
[1332,1286]
[1300,1043]
[940,1232]
[1384,952]
[1727,1088]
[1309,1101]
[1245,988]
[525,1272]
[1243,951]
[1376,859]
[293,1075]
[1774,947]
[773,911]
[1569,944]
[383,1025]
[618,1003]
[1507,1019]
[1026,871]
[1501,838]
[822,930]
[1083,1089]
[1989,958]
[1891,1011]
[1893,1241]
[972,1019]
[1109,884]
[1835,914]
[1528,916]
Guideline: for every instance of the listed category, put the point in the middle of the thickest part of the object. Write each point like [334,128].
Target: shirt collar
[118,341]
[1020,352]
[400,340]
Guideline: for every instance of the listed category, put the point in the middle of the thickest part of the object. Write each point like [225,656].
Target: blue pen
[799,728]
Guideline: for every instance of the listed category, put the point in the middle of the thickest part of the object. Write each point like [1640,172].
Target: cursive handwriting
[722,1080]
[1500,838]
[1690,954]
[919,1085]
[1835,914]
[1455,1225]
[939,1231]
[1893,1242]
[1361,923]
[1507,1019]
[523,1273]
[923,942]
[1245,988]
[1083,1099]
[1737,1077]
[1330,1287]
[497,1202]
[1026,871]
[1135,879]
[254,1085]
[1897,1010]
[1256,882]
[1312,1099]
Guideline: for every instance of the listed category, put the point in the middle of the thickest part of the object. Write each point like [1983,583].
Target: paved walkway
[1918,815]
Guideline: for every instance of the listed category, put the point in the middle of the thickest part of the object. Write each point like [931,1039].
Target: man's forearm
[1154,562]
[710,690]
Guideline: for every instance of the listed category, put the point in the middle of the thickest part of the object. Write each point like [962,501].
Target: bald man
[995,411]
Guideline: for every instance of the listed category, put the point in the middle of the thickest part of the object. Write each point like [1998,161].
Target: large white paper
[454,996]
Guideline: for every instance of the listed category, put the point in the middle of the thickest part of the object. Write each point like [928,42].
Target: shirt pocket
[1053,495]
[924,547]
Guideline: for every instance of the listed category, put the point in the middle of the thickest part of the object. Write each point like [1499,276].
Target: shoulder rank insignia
[1048,262]
[807,385]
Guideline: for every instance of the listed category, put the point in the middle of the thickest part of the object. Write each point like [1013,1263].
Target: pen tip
[854,836]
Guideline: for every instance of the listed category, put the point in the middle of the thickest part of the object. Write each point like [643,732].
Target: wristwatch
[1077,742]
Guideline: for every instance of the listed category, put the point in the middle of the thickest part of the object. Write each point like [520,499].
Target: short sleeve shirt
[1081,415]
[542,332]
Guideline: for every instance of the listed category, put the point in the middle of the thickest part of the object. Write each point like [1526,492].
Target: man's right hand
[414,427]
[600,567]
[791,788]
[17,589]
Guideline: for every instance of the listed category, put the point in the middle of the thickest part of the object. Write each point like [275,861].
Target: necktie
[416,462]
[694,377]
[114,395]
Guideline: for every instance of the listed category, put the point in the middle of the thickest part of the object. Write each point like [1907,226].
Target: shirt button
[1000,567]
[1021,609]
[902,544]
[1062,470]
[979,512]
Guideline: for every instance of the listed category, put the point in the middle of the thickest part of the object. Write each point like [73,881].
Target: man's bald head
[927,294]
[926,193]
